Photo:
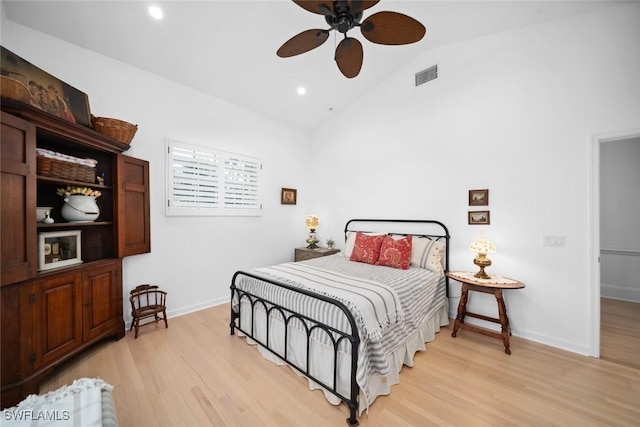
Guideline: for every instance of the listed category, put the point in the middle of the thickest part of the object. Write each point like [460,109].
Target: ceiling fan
[388,28]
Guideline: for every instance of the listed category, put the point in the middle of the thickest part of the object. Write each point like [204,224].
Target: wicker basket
[55,168]
[14,89]
[114,128]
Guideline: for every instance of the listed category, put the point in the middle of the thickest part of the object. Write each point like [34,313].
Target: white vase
[80,208]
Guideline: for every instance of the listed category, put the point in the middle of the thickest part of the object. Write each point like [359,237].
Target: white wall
[514,113]
[620,219]
[192,258]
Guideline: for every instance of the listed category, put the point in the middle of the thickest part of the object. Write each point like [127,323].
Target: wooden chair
[147,301]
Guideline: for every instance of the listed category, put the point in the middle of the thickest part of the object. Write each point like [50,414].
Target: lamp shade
[482,246]
[312,222]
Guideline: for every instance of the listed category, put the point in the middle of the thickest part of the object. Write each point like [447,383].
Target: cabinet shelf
[75,268]
[73,224]
[60,181]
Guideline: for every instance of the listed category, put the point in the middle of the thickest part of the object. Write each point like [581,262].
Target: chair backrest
[147,295]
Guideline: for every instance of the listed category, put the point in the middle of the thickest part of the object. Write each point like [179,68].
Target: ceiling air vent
[426,75]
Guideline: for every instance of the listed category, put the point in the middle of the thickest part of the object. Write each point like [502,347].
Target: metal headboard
[434,230]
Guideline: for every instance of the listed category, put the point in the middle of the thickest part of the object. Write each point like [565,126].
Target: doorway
[617,233]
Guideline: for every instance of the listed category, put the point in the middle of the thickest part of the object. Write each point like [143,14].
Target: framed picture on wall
[46,92]
[479,218]
[479,197]
[289,196]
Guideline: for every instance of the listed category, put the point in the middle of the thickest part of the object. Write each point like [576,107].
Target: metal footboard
[431,229]
[310,325]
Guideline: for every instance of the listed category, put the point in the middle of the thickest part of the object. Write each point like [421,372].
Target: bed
[349,322]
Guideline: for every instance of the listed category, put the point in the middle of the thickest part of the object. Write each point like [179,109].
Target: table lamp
[312,222]
[482,247]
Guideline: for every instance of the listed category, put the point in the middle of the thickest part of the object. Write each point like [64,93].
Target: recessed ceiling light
[302,90]
[156,12]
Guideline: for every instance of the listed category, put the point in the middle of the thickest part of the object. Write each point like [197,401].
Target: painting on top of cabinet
[43,90]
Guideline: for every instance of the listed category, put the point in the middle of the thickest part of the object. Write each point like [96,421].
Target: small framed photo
[289,196]
[479,218]
[59,249]
[479,197]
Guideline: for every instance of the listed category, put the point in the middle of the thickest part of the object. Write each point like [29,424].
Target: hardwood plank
[620,331]
[195,373]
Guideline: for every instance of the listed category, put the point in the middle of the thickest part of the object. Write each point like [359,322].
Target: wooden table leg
[504,320]
[462,309]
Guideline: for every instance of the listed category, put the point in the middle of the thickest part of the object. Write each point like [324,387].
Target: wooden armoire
[48,316]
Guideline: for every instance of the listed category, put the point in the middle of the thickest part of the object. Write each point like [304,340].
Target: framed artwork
[479,218]
[59,249]
[479,197]
[46,92]
[289,196]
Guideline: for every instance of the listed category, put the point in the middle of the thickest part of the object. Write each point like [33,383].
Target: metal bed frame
[336,336]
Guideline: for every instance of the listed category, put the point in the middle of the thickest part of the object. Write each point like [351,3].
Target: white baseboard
[618,292]
[554,342]
[547,340]
[183,310]
[531,336]
[196,307]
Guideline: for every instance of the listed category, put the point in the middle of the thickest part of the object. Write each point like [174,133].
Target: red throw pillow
[366,248]
[395,253]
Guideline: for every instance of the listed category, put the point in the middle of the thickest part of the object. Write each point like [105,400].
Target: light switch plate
[555,241]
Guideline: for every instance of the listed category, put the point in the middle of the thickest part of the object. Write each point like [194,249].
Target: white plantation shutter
[204,181]
[194,178]
[241,182]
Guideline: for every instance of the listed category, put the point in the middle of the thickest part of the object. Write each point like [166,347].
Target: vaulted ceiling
[228,48]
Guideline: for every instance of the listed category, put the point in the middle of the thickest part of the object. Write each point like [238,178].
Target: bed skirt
[378,385]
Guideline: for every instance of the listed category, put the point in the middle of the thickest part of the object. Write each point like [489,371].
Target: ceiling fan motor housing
[343,22]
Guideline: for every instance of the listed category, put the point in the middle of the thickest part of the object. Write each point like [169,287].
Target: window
[208,182]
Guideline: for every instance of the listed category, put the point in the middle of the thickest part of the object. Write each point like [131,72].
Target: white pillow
[427,253]
[351,241]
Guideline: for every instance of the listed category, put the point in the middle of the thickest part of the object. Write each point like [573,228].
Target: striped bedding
[374,305]
[419,292]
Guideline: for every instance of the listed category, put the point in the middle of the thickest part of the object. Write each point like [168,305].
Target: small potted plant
[330,243]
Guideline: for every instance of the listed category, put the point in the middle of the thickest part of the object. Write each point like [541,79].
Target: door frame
[594,239]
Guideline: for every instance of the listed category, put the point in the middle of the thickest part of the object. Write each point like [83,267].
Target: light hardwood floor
[196,374]
[620,331]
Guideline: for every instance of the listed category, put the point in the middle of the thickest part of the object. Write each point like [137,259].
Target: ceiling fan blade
[392,28]
[303,42]
[349,56]
[322,7]
[359,5]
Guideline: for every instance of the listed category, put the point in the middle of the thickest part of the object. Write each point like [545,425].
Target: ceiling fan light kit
[386,28]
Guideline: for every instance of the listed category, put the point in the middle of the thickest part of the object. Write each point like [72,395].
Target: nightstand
[303,254]
[494,286]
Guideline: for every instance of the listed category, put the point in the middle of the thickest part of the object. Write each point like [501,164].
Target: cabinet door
[102,300]
[134,229]
[15,343]
[57,316]
[18,252]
